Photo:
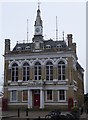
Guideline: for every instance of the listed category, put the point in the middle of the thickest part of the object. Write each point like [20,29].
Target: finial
[38,5]
[63,35]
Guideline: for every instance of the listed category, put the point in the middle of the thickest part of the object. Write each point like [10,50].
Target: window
[18,48]
[26,71]
[62,95]
[61,70]
[59,46]
[37,71]
[14,72]
[48,46]
[14,96]
[49,71]
[49,95]
[25,95]
[27,48]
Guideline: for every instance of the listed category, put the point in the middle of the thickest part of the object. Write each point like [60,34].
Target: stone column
[29,99]
[41,99]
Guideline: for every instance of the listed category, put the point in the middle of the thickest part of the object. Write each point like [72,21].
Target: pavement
[84,116]
[33,114]
[23,114]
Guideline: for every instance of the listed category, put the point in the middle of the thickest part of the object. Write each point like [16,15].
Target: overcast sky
[71,19]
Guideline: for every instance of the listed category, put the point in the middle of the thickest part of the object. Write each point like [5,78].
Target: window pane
[37,72]
[49,94]
[49,71]
[61,70]
[62,95]
[26,71]
[14,72]
[14,95]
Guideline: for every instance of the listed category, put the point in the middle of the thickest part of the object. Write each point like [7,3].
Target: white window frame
[37,75]
[26,69]
[64,94]
[22,97]
[46,97]
[49,71]
[61,67]
[15,67]
[16,96]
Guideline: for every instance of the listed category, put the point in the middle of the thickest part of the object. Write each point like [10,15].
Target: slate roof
[53,44]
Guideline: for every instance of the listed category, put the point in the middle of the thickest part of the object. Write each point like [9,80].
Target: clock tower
[38,32]
[38,23]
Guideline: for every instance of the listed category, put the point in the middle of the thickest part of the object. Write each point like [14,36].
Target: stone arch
[61,59]
[25,61]
[45,62]
[11,63]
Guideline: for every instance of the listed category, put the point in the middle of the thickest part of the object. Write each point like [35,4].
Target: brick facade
[51,77]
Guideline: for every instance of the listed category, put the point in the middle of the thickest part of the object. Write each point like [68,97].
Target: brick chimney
[7,46]
[69,37]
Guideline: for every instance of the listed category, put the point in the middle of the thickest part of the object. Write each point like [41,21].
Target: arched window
[37,71]
[61,70]
[26,71]
[49,71]
[14,72]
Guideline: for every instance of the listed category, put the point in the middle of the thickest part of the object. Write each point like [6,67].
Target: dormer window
[27,48]
[18,48]
[48,46]
[59,46]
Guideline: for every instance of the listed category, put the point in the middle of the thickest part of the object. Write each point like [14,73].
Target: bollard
[27,112]
[87,110]
[27,118]
[18,112]
[39,118]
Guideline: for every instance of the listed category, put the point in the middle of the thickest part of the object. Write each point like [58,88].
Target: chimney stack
[69,37]
[7,46]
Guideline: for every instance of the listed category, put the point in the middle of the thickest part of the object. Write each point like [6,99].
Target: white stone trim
[29,99]
[47,60]
[37,60]
[56,103]
[50,55]
[61,59]
[22,62]
[12,62]
[47,87]
[17,103]
[41,99]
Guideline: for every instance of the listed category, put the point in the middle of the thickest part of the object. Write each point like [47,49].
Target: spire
[38,21]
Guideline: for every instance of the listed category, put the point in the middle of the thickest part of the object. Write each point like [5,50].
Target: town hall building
[42,74]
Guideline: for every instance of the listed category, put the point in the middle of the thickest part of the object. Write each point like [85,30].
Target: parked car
[57,115]
[53,115]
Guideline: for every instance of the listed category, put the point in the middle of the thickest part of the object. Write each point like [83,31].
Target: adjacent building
[43,74]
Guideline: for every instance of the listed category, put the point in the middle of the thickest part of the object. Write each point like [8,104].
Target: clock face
[37,30]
